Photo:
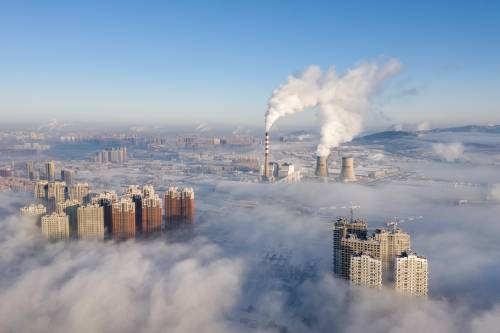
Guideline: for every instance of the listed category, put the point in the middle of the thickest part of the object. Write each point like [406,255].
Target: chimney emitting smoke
[266,156]
[322,166]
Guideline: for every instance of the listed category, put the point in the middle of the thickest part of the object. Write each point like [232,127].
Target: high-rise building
[91,222]
[135,193]
[69,207]
[56,192]
[123,219]
[344,229]
[365,271]
[151,214]
[411,274]
[30,169]
[393,242]
[179,204]
[41,190]
[68,176]
[106,200]
[79,192]
[34,210]
[50,171]
[351,237]
[113,155]
[55,226]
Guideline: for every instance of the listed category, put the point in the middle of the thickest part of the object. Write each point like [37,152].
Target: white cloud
[449,152]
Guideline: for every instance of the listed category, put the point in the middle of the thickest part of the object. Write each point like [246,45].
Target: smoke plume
[450,152]
[298,94]
[344,98]
[341,99]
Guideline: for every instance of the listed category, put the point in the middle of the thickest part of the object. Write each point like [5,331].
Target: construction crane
[397,220]
[351,208]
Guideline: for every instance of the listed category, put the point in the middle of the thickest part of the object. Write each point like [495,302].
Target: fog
[211,277]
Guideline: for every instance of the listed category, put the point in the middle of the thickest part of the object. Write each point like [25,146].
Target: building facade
[56,192]
[365,271]
[123,219]
[68,176]
[152,220]
[79,192]
[411,274]
[179,205]
[34,210]
[350,237]
[91,222]
[55,226]
[50,171]
[69,207]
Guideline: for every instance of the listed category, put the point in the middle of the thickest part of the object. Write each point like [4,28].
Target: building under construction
[351,237]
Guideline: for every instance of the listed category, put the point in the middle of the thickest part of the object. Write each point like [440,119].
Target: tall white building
[33,210]
[411,274]
[79,191]
[69,207]
[365,271]
[91,222]
[55,226]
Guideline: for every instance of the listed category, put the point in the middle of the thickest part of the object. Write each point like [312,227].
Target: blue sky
[218,61]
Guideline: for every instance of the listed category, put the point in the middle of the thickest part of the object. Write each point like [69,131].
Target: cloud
[495,192]
[213,277]
[450,152]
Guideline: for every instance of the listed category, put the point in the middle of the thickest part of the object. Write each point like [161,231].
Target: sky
[187,62]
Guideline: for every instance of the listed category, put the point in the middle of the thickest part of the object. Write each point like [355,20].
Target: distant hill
[387,135]
[469,128]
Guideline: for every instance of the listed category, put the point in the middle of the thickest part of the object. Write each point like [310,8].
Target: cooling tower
[266,157]
[322,166]
[347,172]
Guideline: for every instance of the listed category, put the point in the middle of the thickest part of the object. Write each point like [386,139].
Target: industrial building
[321,166]
[347,170]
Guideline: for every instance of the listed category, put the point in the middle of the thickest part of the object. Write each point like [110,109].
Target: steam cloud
[341,99]
[449,152]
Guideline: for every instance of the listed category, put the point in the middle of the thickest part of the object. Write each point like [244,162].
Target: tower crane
[398,219]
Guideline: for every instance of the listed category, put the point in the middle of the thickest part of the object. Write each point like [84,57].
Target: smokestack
[266,156]
[347,172]
[322,166]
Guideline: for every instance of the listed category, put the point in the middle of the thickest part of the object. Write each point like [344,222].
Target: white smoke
[495,192]
[450,152]
[298,94]
[341,99]
[344,98]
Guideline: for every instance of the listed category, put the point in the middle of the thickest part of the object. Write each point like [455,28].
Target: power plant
[347,171]
[322,166]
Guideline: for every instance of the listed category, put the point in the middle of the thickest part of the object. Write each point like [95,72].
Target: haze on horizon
[192,62]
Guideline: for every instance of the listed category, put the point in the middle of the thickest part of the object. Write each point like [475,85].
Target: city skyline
[219,63]
[261,166]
